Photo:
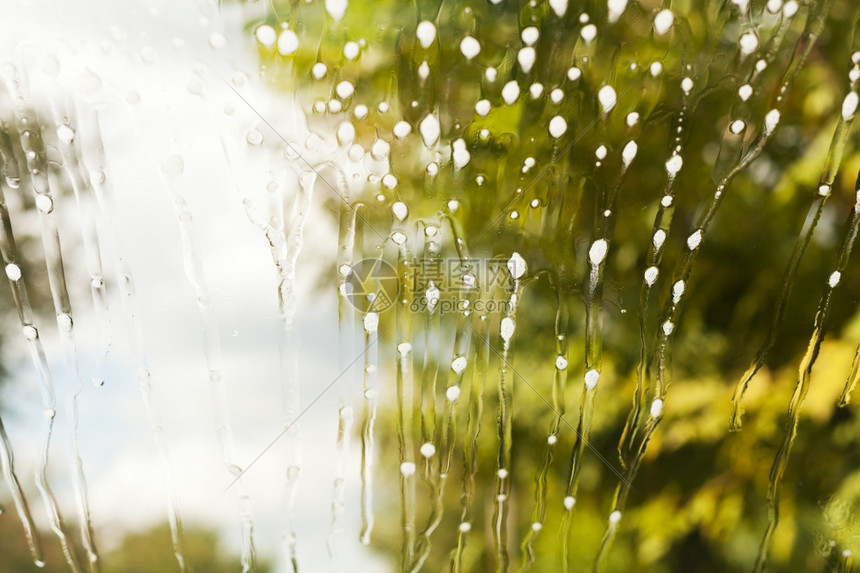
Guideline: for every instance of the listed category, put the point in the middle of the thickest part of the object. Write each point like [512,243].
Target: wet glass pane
[458,286]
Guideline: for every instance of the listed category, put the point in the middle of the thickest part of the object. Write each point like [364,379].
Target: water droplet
[401,129]
[407,469]
[569,502]
[628,154]
[511,92]
[288,43]
[482,108]
[588,33]
[560,362]
[254,137]
[430,130]
[663,21]
[597,252]
[557,126]
[44,203]
[65,134]
[632,118]
[13,271]
[678,291]
[452,393]
[737,126]
[432,295]
[526,58]
[530,35]
[614,517]
[774,6]
[656,408]
[371,322]
[673,166]
[464,527]
[426,33]
[217,40]
[668,327]
[651,274]
[64,322]
[507,328]
[559,7]
[687,85]
[517,265]
[748,42]
[591,378]
[460,155]
[266,35]
[771,120]
[344,89]
[834,279]
[607,98]
[458,365]
[849,105]
[428,450]
[470,47]
[694,240]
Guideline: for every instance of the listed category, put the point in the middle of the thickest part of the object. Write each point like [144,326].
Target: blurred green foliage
[699,500]
[145,551]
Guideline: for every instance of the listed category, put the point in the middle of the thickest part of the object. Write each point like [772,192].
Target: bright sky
[148,115]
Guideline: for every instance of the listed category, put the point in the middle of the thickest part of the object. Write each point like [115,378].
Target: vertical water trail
[473,432]
[816,208]
[33,147]
[458,363]
[70,153]
[19,294]
[780,461]
[172,171]
[851,382]
[516,266]
[69,137]
[405,381]
[7,465]
[368,451]
[431,277]
[814,25]
[346,312]
[558,386]
[344,427]
[346,318]
[663,219]
[102,183]
[430,270]
[659,233]
[812,29]
[597,253]
[287,303]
